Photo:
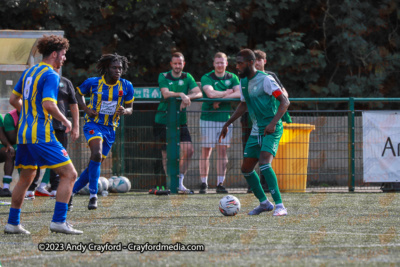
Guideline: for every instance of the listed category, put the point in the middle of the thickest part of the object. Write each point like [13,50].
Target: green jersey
[228,81]
[183,84]
[261,104]
[8,123]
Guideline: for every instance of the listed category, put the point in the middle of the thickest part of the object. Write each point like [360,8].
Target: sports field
[324,229]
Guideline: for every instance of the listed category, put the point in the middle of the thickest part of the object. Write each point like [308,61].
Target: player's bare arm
[167,94]
[195,93]
[230,93]
[16,102]
[82,105]
[75,121]
[234,92]
[127,110]
[283,106]
[285,92]
[211,93]
[240,110]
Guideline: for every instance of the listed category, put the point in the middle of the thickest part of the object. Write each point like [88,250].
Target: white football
[113,177]
[120,185]
[86,191]
[229,205]
[104,183]
[99,186]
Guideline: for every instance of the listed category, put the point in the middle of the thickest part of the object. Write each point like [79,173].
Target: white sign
[381,146]
[108,107]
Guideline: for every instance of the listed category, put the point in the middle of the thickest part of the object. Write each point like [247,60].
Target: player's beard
[245,73]
[177,72]
[59,61]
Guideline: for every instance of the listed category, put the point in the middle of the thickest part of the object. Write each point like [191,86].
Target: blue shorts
[94,130]
[45,155]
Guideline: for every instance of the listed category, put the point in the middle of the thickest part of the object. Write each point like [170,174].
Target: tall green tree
[320,48]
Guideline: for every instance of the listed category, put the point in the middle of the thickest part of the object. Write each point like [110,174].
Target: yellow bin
[291,161]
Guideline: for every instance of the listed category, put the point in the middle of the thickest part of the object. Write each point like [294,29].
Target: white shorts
[210,131]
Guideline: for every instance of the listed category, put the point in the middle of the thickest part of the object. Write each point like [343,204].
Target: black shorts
[160,134]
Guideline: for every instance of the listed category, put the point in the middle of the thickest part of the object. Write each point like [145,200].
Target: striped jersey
[36,85]
[258,93]
[106,99]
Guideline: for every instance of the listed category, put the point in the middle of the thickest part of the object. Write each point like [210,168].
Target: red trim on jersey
[277,93]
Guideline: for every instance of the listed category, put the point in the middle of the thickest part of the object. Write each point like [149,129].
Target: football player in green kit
[218,83]
[176,83]
[259,91]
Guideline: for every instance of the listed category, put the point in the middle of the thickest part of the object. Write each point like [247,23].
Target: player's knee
[225,161]
[74,175]
[96,157]
[246,169]
[189,152]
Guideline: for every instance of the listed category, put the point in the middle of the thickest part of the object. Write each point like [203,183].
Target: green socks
[254,182]
[272,182]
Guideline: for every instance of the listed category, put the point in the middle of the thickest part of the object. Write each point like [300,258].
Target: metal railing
[334,154]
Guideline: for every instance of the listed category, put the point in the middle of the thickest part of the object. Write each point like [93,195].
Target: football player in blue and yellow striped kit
[110,97]
[35,98]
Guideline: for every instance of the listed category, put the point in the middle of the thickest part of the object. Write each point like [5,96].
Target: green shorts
[14,146]
[257,143]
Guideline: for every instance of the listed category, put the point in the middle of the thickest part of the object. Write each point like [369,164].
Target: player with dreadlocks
[110,97]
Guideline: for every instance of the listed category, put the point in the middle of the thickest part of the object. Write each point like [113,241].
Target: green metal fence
[334,160]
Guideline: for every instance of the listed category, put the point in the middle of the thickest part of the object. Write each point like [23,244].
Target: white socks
[204,179]
[181,177]
[221,180]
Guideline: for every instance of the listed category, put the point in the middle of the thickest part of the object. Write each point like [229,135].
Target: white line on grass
[76,223]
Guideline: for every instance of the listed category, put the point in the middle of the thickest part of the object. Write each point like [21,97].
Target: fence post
[351,146]
[117,151]
[122,136]
[172,144]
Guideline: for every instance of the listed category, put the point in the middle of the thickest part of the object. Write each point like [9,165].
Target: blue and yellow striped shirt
[36,85]
[106,98]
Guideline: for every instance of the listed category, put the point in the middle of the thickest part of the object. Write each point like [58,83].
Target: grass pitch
[325,229]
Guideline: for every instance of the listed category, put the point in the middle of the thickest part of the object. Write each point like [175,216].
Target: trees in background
[318,48]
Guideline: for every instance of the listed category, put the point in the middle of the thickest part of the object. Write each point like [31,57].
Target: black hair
[247,54]
[105,61]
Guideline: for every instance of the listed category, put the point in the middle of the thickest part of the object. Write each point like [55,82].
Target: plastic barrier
[291,161]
